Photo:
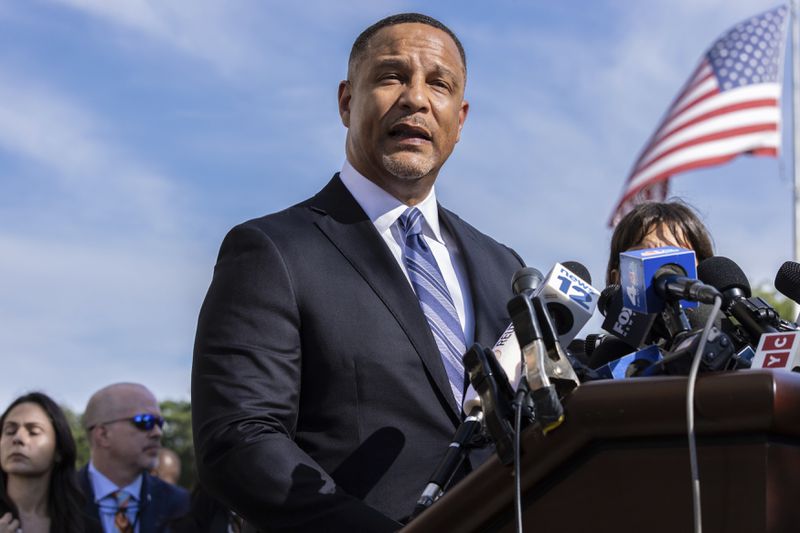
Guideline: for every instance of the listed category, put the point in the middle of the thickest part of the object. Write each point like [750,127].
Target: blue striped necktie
[434,299]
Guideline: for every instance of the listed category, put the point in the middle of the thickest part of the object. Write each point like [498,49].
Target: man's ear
[100,435]
[344,102]
[462,117]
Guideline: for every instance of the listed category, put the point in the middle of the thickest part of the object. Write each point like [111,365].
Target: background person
[168,467]
[38,489]
[124,424]
[657,224]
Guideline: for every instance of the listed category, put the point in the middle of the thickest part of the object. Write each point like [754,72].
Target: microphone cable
[519,400]
[690,389]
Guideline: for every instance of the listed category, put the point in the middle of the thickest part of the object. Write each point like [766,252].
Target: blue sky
[134,134]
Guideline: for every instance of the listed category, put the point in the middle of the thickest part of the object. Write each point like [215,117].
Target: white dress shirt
[383,210]
[104,489]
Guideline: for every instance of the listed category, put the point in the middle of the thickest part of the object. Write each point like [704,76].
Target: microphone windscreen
[698,316]
[608,296]
[579,270]
[723,274]
[609,350]
[526,279]
[787,280]
[577,348]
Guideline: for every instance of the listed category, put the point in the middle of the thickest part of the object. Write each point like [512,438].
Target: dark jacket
[319,397]
[159,504]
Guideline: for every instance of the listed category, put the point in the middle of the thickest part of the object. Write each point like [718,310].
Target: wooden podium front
[620,462]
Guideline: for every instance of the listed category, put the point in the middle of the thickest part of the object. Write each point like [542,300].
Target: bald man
[168,467]
[124,423]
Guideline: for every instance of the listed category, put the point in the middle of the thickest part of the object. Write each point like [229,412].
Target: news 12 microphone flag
[729,106]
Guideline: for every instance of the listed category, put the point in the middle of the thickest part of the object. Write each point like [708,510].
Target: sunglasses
[144,421]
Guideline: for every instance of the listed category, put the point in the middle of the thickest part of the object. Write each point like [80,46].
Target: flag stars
[749,50]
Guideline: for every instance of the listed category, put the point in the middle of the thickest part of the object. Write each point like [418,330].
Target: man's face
[129,445]
[404,106]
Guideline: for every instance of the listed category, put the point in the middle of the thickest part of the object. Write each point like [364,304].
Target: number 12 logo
[575,292]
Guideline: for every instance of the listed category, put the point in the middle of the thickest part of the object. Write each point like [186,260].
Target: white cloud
[101,281]
[247,41]
[202,29]
[94,178]
[77,316]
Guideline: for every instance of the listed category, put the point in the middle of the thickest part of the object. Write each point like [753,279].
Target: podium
[620,462]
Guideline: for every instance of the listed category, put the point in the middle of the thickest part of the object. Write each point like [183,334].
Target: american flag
[729,106]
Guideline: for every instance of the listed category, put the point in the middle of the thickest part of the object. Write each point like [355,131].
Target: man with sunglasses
[124,426]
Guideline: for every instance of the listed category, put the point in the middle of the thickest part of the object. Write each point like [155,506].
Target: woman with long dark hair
[38,488]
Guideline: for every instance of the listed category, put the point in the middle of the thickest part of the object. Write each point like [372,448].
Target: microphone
[787,281]
[506,351]
[494,397]
[754,314]
[455,455]
[653,277]
[609,350]
[671,284]
[541,345]
[623,322]
[634,364]
[568,292]
[526,281]
[570,298]
[548,409]
[564,304]
[582,349]
[490,408]
[719,352]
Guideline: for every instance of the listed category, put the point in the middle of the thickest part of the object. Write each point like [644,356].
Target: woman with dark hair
[656,224]
[38,487]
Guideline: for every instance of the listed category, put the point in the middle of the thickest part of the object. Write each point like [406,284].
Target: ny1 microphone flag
[729,106]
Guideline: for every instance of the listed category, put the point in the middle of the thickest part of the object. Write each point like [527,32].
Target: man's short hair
[361,42]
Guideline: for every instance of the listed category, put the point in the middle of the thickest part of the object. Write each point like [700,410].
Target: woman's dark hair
[64,498]
[678,216]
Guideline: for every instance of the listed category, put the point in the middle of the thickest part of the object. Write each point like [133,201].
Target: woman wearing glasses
[38,489]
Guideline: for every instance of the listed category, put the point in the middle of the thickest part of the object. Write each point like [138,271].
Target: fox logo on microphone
[778,351]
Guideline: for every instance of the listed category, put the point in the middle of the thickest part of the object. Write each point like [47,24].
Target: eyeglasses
[142,421]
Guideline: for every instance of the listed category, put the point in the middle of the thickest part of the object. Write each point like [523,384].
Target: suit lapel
[482,278]
[91,513]
[147,505]
[351,231]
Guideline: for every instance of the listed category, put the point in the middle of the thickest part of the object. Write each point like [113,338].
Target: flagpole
[795,129]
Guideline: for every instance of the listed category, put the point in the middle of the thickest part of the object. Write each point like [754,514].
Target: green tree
[782,305]
[178,437]
[79,434]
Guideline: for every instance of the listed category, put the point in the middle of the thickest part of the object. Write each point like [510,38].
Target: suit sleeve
[246,386]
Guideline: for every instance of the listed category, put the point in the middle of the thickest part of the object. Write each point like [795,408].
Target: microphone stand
[456,453]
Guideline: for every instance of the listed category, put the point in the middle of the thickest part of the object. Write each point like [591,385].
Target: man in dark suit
[124,424]
[327,380]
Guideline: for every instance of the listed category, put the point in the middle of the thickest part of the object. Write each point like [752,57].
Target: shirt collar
[383,209]
[104,487]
